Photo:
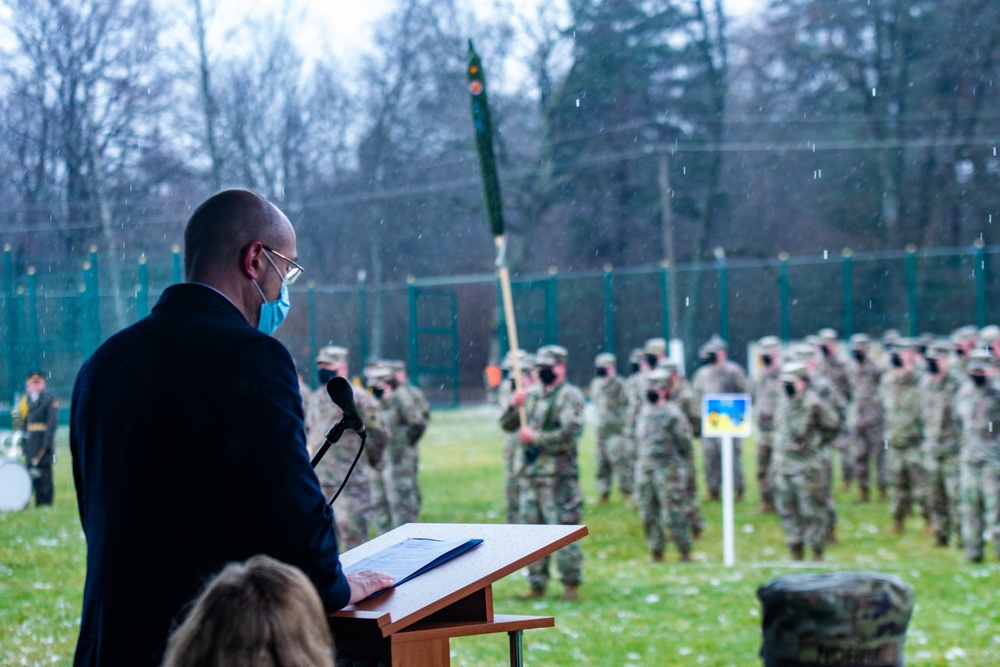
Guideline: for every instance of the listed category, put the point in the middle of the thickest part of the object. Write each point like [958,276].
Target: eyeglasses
[295,269]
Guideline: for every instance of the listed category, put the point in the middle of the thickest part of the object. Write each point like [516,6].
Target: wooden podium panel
[412,624]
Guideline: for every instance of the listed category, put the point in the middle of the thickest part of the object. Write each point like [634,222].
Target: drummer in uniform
[37,413]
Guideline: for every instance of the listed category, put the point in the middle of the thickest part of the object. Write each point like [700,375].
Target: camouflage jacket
[664,436]
[610,398]
[407,413]
[865,409]
[981,426]
[683,396]
[557,417]
[830,394]
[899,393]
[766,391]
[635,388]
[834,369]
[942,425]
[727,378]
[323,414]
[804,427]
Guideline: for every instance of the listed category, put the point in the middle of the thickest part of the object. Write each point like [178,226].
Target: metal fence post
[31,326]
[848,282]
[313,347]
[723,296]
[86,324]
[786,322]
[94,290]
[10,335]
[142,289]
[552,307]
[178,275]
[363,312]
[979,271]
[665,300]
[609,309]
[911,289]
[413,356]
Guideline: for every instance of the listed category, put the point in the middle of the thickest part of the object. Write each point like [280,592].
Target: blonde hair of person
[261,613]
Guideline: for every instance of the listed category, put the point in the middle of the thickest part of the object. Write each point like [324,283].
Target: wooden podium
[411,626]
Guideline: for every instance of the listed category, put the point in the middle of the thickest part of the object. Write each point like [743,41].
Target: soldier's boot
[847,485]
[570,594]
[883,494]
[697,530]
[603,499]
[766,507]
[818,556]
[831,536]
[626,497]
[897,526]
[797,552]
[941,541]
[535,593]
[739,496]
[863,496]
[685,556]
[713,496]
[656,557]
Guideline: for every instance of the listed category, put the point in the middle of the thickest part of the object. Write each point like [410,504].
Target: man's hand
[517,398]
[366,582]
[526,435]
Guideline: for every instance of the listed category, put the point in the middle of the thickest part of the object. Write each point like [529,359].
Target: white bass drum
[15,486]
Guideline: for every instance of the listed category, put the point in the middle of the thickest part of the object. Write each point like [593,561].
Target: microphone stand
[332,436]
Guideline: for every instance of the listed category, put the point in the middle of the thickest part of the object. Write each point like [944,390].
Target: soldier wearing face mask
[609,396]
[865,419]
[665,443]
[718,375]
[899,393]
[833,367]
[550,488]
[512,461]
[965,340]
[354,506]
[980,459]
[939,389]
[765,390]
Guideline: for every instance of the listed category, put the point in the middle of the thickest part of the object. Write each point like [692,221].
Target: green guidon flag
[484,141]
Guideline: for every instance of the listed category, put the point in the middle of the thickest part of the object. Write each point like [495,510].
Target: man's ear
[253,260]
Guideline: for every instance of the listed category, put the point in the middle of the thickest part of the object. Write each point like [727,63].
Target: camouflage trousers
[842,444]
[401,484]
[980,491]
[352,509]
[554,500]
[379,513]
[663,506]
[511,483]
[765,451]
[944,481]
[831,503]
[626,464]
[712,449]
[869,446]
[908,482]
[693,511]
[614,462]
[801,500]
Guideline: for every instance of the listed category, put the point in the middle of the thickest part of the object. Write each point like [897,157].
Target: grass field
[632,612]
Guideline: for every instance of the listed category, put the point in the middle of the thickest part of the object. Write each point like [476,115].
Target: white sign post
[726,416]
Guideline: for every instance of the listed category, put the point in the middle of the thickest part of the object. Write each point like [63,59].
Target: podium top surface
[505,549]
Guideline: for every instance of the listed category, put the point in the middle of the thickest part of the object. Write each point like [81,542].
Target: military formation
[381,492]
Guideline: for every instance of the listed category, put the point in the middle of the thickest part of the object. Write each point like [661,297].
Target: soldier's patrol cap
[713,344]
[768,343]
[667,364]
[378,373]
[35,375]
[890,335]
[989,334]
[814,340]
[658,378]
[841,618]
[801,352]
[900,343]
[827,334]
[527,360]
[938,349]
[605,359]
[332,354]
[963,334]
[860,341]
[794,370]
[551,355]
[655,346]
[394,364]
[636,355]
[979,361]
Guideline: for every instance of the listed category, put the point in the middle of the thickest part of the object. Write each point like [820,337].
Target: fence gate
[433,345]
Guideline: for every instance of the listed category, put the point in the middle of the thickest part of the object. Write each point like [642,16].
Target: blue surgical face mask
[272,313]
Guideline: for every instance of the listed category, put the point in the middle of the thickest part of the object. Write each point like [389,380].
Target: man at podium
[188,444]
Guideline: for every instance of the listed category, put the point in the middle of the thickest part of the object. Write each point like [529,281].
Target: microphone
[341,393]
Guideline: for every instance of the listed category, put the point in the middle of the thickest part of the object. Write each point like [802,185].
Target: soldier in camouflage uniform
[407,415]
[719,376]
[980,460]
[899,393]
[640,360]
[765,390]
[550,489]
[665,440]
[381,481]
[804,426]
[834,368]
[942,441]
[353,507]
[965,339]
[683,395]
[609,396]
[864,417]
[511,445]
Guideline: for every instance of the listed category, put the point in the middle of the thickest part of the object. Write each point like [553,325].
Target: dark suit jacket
[188,453]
